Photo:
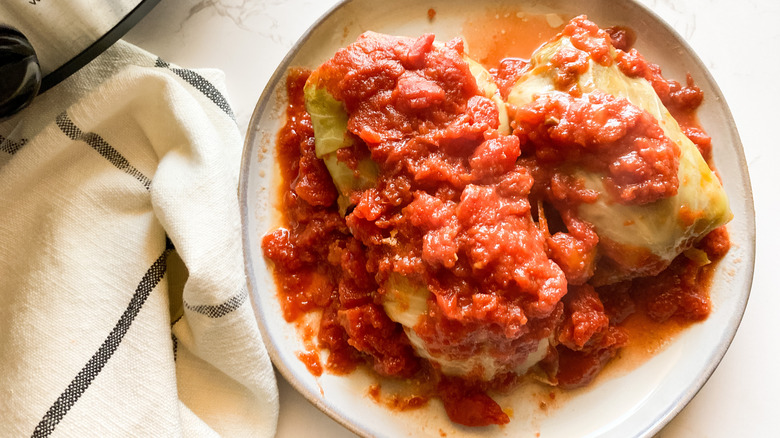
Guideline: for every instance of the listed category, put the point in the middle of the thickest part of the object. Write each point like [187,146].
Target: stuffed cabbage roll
[329,119]
[415,135]
[650,193]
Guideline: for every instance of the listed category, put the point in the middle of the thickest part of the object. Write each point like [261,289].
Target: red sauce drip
[312,361]
[397,402]
[469,405]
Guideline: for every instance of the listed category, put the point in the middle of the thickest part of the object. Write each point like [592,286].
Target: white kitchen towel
[124,308]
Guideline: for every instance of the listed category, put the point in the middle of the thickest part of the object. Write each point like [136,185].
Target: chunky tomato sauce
[484,220]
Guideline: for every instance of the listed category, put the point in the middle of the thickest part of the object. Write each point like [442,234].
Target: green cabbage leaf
[329,120]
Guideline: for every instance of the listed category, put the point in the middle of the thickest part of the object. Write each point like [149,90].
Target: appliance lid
[67,35]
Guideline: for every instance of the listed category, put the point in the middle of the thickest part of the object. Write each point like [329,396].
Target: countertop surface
[248,39]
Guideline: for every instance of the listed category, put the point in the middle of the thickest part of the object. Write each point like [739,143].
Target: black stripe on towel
[84,378]
[223,309]
[97,143]
[175,341]
[201,84]
[9,146]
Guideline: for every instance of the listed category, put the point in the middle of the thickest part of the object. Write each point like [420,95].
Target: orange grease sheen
[506,32]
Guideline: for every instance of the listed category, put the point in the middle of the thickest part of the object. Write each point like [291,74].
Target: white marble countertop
[247,40]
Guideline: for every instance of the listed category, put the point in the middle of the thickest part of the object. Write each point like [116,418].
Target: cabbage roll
[329,119]
[635,238]
[482,349]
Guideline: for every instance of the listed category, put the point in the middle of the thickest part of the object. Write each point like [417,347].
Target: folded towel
[123,300]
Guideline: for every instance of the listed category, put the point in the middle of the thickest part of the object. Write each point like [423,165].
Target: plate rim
[747,262]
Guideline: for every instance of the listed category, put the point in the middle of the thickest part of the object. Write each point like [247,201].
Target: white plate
[637,403]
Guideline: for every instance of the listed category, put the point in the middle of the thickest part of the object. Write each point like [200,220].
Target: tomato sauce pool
[332,266]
